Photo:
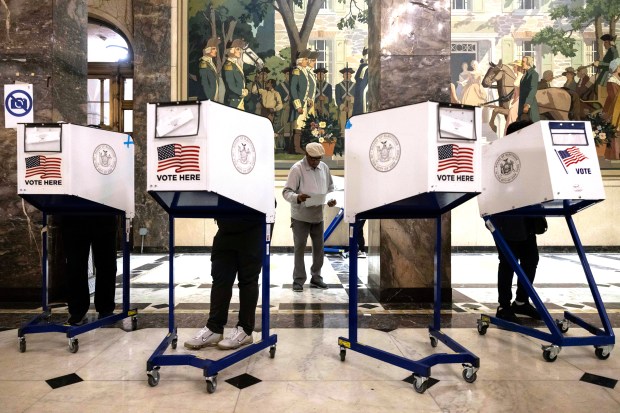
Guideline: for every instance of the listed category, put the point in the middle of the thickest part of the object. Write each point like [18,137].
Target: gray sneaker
[235,339]
[203,338]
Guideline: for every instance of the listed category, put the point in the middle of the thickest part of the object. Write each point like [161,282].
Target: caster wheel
[433,341]
[420,384]
[562,325]
[22,344]
[153,377]
[343,354]
[74,345]
[272,351]
[211,385]
[482,328]
[173,343]
[47,317]
[134,323]
[600,353]
[469,375]
[549,356]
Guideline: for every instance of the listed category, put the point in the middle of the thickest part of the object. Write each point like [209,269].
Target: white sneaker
[203,338]
[361,254]
[235,339]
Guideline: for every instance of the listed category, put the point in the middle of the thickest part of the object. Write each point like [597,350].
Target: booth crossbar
[41,323]
[602,339]
[218,208]
[419,207]
[329,231]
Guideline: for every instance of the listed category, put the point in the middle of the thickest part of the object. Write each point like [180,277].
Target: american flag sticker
[571,156]
[183,158]
[458,158]
[45,166]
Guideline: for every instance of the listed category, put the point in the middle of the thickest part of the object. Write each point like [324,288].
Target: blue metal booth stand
[99,183]
[394,173]
[232,153]
[560,158]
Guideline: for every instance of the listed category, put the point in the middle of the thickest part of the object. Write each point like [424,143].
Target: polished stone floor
[108,373]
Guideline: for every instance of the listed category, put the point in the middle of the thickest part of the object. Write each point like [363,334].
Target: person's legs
[76,241]
[300,239]
[104,258]
[528,258]
[250,265]
[504,288]
[318,254]
[224,272]
[361,242]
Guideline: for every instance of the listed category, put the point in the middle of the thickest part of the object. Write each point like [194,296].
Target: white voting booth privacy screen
[66,159]
[207,146]
[544,162]
[398,153]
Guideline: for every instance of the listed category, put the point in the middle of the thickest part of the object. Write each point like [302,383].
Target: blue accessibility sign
[18,103]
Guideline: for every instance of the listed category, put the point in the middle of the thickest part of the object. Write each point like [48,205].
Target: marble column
[409,62]
[152,83]
[43,43]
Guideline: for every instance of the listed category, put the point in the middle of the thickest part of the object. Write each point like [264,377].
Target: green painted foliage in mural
[571,19]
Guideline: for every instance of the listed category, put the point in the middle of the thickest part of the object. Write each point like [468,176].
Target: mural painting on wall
[538,59]
[279,59]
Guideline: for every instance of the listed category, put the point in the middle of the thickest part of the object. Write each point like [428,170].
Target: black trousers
[79,233]
[526,253]
[235,255]
[361,242]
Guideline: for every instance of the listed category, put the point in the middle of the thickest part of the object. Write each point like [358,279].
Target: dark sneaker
[526,309]
[318,284]
[507,314]
[75,321]
[298,288]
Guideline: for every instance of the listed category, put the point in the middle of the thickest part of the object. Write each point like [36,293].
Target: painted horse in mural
[554,103]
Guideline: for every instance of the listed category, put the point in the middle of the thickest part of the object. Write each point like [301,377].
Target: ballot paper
[456,123]
[316,199]
[43,139]
[178,120]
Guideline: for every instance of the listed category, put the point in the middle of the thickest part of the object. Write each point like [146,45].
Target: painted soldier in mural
[299,99]
[323,97]
[283,127]
[260,80]
[233,75]
[527,90]
[584,85]
[311,80]
[610,54]
[361,86]
[209,76]
[345,98]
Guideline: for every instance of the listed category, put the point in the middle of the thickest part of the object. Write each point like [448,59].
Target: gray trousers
[301,230]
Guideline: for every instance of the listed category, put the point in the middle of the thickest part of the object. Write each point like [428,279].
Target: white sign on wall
[18,105]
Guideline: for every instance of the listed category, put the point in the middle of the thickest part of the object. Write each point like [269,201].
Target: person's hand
[302,197]
[272,110]
[331,203]
[244,92]
[526,108]
[595,64]
[310,103]
[300,110]
[322,98]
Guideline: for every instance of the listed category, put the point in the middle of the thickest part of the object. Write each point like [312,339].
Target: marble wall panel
[42,43]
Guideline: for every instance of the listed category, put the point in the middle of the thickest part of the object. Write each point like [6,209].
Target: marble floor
[108,373]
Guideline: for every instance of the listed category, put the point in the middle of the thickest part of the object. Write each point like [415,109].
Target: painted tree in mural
[576,18]
[298,36]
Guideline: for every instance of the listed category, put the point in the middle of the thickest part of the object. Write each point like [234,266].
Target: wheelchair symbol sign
[18,103]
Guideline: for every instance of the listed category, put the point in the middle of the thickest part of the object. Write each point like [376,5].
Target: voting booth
[207,160]
[415,161]
[549,168]
[68,169]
